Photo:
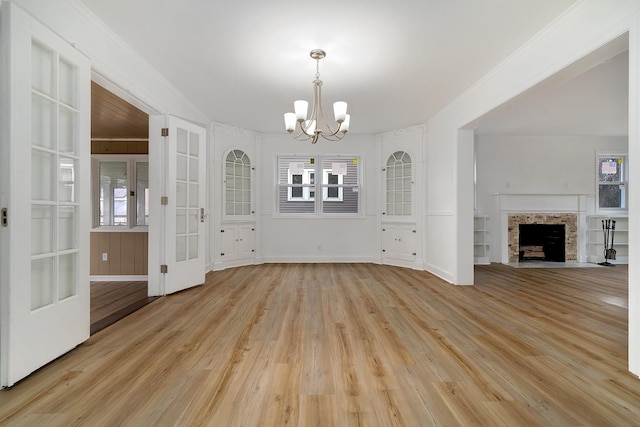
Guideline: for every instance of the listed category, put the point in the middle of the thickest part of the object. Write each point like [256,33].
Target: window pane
[181,221]
[42,221]
[42,175]
[66,183]
[181,248]
[42,122]
[42,69]
[610,169]
[67,78]
[182,141]
[113,193]
[42,276]
[142,193]
[66,276]
[340,184]
[193,246]
[181,195]
[66,228]
[611,196]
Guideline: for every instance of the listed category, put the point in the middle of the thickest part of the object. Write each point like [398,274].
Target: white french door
[44,275]
[184,187]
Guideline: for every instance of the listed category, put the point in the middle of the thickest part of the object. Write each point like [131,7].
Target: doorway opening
[120,184]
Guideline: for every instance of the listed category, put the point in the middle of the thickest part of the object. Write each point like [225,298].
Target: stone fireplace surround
[569,220]
[567,209]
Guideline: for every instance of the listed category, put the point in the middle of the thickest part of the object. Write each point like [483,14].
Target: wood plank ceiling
[116,125]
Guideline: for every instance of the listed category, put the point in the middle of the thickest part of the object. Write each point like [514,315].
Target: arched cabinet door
[399,185]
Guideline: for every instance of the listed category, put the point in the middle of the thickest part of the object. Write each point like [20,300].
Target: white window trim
[131,160]
[625,183]
[318,214]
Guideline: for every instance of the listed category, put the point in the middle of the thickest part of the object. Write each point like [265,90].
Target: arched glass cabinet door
[237,184]
[399,195]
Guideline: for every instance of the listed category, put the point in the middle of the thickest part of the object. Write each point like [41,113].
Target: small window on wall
[237,182]
[612,175]
[121,191]
[335,177]
[399,184]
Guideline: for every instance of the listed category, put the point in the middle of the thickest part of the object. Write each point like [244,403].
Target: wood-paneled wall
[127,254]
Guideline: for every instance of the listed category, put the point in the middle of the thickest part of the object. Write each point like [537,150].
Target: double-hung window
[120,191]
[612,176]
[335,177]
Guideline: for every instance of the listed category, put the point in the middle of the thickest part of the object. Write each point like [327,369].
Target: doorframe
[154,288]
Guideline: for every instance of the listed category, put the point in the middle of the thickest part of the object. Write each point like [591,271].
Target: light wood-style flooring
[352,345]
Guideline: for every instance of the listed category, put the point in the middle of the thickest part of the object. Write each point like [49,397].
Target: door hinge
[201,214]
[165,132]
[164,269]
[4,217]
[164,200]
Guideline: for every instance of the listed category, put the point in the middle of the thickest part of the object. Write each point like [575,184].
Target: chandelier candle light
[316,125]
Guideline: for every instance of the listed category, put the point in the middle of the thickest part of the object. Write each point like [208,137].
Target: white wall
[325,239]
[510,164]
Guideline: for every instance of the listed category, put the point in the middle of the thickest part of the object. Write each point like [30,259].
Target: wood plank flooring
[111,301]
[352,345]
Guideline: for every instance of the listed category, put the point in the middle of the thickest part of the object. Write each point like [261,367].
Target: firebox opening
[541,242]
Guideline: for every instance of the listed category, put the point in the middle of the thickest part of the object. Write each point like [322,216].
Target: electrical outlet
[105,256]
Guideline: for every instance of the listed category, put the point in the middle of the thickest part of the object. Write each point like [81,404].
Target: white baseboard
[119,278]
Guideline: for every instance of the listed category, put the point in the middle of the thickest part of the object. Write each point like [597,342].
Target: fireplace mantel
[543,205]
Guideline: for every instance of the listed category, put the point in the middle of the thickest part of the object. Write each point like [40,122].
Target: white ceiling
[243,62]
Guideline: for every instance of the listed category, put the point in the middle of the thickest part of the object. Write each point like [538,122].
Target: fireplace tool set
[608,230]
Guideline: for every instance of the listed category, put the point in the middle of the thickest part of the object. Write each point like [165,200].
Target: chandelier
[316,125]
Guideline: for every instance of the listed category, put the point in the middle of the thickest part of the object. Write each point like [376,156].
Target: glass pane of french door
[54,162]
[187,195]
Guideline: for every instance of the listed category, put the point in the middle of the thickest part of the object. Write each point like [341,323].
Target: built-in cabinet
[481,239]
[238,242]
[596,239]
[398,242]
[401,202]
